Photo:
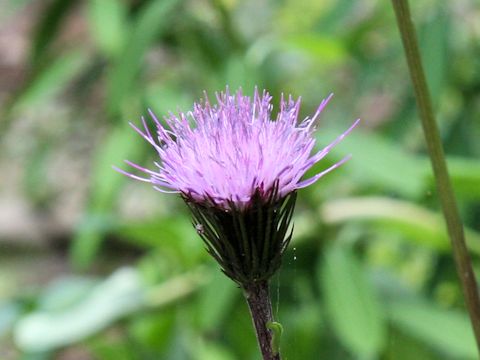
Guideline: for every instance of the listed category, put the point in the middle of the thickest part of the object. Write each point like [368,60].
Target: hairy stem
[437,158]
[258,299]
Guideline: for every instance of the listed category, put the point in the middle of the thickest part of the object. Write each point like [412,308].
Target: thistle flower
[238,171]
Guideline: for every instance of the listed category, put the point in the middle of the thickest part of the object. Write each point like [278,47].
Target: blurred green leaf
[35,181]
[435,54]
[351,303]
[154,330]
[238,74]
[173,235]
[216,300]
[37,356]
[379,161]
[465,175]
[406,346]
[176,287]
[51,80]
[112,350]
[9,312]
[64,293]
[211,351]
[85,244]
[169,231]
[414,222]
[334,19]
[325,49]
[304,330]
[121,143]
[119,295]
[48,26]
[109,25]
[164,97]
[154,18]
[448,331]
[88,239]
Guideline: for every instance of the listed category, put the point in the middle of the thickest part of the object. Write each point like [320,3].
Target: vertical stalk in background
[437,158]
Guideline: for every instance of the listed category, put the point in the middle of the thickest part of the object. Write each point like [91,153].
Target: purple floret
[225,153]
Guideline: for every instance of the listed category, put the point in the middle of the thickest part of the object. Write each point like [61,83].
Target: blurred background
[96,266]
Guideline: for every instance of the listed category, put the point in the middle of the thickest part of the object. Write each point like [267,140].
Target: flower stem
[258,299]
[437,158]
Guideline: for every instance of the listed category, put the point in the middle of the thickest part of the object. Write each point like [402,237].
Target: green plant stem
[437,158]
[258,299]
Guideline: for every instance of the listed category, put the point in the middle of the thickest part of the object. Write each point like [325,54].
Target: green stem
[437,158]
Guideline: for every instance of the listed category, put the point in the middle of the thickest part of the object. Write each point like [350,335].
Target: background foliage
[95,266]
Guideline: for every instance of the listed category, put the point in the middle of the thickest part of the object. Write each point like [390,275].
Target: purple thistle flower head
[238,171]
[226,153]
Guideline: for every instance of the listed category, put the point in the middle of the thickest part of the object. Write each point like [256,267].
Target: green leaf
[211,351]
[166,96]
[445,330]
[352,303]
[434,42]
[48,26]
[216,301]
[108,23]
[112,350]
[414,222]
[465,175]
[406,346]
[154,329]
[64,293]
[304,327]
[37,356]
[378,161]
[51,80]
[121,143]
[176,288]
[150,22]
[119,295]
[174,237]
[88,239]
[66,322]
[9,312]
[160,232]
[238,73]
[35,180]
[327,50]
